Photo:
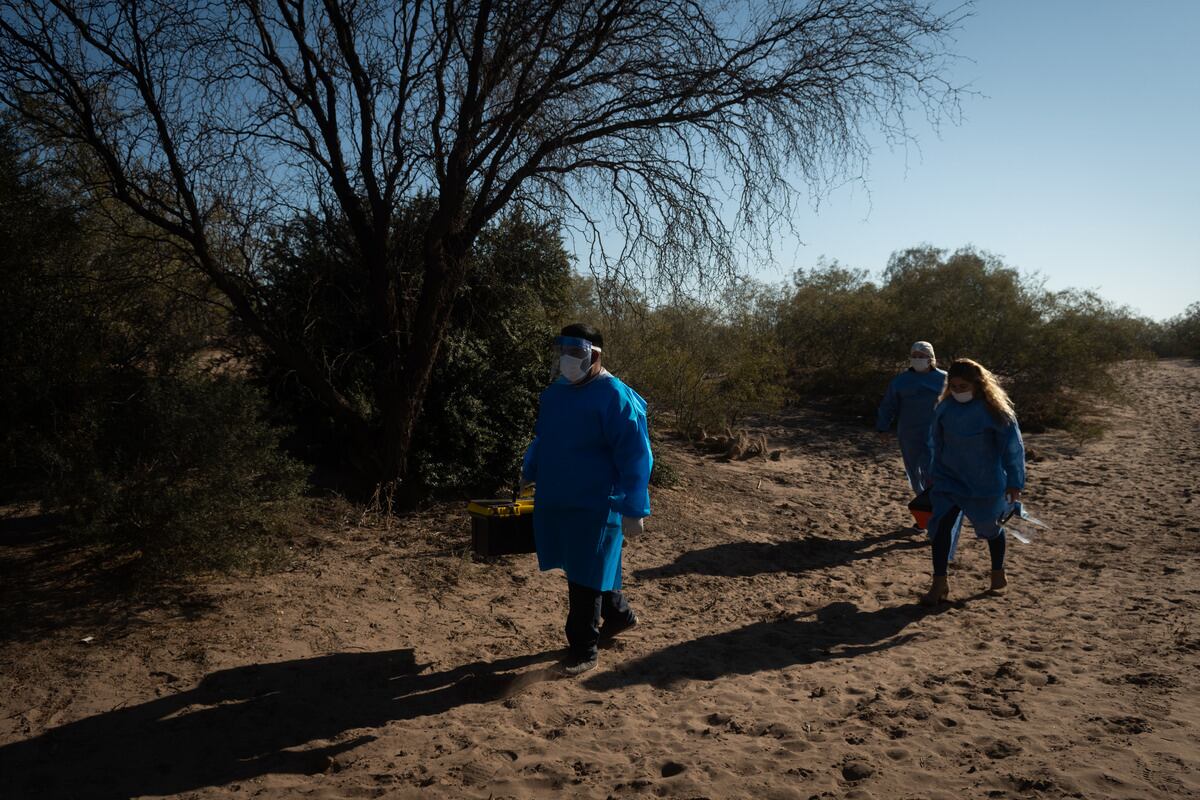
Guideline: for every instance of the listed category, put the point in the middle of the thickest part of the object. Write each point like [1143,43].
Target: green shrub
[1054,350]
[968,304]
[1067,361]
[837,328]
[705,367]
[663,475]
[1180,335]
[839,336]
[478,414]
[184,474]
[107,414]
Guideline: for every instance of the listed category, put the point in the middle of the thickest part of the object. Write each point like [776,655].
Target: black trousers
[943,537]
[585,607]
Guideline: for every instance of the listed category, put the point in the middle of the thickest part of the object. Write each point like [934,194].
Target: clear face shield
[572,358]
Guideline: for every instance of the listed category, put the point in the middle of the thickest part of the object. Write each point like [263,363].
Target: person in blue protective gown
[909,402]
[590,463]
[978,470]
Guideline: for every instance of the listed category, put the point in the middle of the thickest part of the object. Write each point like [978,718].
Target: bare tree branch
[681,130]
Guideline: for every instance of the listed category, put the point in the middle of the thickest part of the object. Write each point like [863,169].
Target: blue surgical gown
[976,459]
[910,400]
[590,458]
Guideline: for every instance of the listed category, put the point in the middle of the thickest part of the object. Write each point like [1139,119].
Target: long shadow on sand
[742,559]
[836,631]
[246,722]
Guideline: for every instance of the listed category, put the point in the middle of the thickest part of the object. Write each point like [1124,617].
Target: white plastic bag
[1022,526]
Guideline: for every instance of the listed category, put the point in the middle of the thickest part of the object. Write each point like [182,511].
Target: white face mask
[573,369]
[963,397]
[920,364]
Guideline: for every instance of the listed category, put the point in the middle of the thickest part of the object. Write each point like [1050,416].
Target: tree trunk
[402,383]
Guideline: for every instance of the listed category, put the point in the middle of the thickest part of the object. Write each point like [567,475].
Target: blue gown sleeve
[1012,455]
[888,408]
[529,465]
[627,434]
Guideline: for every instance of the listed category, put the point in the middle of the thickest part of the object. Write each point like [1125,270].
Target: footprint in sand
[854,771]
[1154,680]
[1127,725]
[1001,749]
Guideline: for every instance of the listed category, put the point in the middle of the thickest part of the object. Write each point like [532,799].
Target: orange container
[921,508]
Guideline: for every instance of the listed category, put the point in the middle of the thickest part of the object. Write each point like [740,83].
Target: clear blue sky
[1081,161]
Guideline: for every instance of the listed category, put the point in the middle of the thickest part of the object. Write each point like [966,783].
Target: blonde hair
[989,387]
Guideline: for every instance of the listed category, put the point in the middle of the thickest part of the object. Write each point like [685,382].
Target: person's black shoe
[577,665]
[610,629]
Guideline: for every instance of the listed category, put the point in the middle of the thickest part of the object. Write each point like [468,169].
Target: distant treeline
[137,408]
[837,335]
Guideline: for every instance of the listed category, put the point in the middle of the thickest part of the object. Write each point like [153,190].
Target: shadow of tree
[249,721]
[837,631]
[742,559]
[50,582]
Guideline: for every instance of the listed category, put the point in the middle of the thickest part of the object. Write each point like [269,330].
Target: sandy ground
[781,654]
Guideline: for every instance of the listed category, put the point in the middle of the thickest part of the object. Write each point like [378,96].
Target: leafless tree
[672,127]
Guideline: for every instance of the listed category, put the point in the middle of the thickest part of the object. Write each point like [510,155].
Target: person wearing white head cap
[909,402]
[590,460]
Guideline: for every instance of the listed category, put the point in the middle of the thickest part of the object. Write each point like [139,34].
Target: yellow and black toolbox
[502,527]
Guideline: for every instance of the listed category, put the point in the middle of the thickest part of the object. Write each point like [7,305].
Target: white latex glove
[632,527]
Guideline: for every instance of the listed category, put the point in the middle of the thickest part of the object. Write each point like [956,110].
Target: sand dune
[782,653]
